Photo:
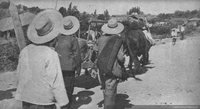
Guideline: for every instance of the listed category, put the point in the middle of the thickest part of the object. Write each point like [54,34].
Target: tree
[164,16]
[73,11]
[84,21]
[63,11]
[69,10]
[134,10]
[95,13]
[106,14]
[101,17]
[4,5]
[179,13]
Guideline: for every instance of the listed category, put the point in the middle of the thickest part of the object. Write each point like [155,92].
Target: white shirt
[174,33]
[149,37]
[182,29]
[40,77]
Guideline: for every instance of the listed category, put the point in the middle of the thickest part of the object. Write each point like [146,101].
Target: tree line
[85,17]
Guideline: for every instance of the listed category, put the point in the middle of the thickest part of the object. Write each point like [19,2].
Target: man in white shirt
[41,84]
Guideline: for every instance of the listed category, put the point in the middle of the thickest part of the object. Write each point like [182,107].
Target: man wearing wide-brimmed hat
[69,51]
[41,83]
[109,82]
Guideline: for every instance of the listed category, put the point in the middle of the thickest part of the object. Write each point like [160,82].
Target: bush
[190,28]
[160,30]
[9,57]
[160,36]
[133,25]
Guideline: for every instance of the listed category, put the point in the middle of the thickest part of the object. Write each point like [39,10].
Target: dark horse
[136,45]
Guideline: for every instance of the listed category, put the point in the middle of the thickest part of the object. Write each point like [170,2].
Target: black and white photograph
[99,54]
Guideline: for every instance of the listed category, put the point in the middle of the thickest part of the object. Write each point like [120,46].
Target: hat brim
[56,19]
[116,30]
[75,27]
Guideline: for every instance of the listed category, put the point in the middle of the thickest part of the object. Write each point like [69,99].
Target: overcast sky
[116,7]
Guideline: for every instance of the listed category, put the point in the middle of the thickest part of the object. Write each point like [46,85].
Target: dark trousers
[110,93]
[109,87]
[27,105]
[173,41]
[69,79]
[182,36]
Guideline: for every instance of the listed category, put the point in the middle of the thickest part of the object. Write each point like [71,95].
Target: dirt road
[173,78]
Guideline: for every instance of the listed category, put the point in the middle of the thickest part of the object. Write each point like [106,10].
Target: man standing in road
[41,84]
[69,51]
[109,80]
[174,35]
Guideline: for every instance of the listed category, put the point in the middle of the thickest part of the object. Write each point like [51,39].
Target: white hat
[112,27]
[70,25]
[45,26]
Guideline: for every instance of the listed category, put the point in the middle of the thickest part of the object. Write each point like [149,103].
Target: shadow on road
[121,102]
[83,98]
[7,94]
[86,81]
[141,71]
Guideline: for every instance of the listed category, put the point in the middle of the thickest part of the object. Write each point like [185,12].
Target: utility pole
[56,4]
[17,26]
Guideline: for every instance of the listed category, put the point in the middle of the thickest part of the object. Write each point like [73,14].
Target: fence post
[17,26]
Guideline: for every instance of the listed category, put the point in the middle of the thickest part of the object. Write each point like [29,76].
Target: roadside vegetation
[9,50]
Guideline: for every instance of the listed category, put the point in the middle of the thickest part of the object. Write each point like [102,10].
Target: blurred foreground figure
[41,84]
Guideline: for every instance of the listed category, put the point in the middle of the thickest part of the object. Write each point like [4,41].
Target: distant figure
[69,51]
[174,35]
[93,35]
[41,84]
[182,29]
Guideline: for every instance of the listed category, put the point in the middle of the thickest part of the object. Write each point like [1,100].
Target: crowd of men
[47,66]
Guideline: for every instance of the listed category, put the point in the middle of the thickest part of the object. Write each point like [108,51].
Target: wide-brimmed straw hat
[45,26]
[70,25]
[112,27]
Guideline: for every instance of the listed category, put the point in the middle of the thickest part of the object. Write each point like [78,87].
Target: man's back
[101,42]
[37,69]
[67,48]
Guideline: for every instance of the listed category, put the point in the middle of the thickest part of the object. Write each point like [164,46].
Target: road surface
[172,78]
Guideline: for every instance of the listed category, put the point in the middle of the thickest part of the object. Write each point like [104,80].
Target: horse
[135,45]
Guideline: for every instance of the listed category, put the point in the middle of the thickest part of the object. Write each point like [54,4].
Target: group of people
[48,65]
[174,34]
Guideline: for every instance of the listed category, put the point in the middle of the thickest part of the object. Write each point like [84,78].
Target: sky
[117,7]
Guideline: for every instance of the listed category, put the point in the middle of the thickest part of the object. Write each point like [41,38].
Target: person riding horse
[135,45]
